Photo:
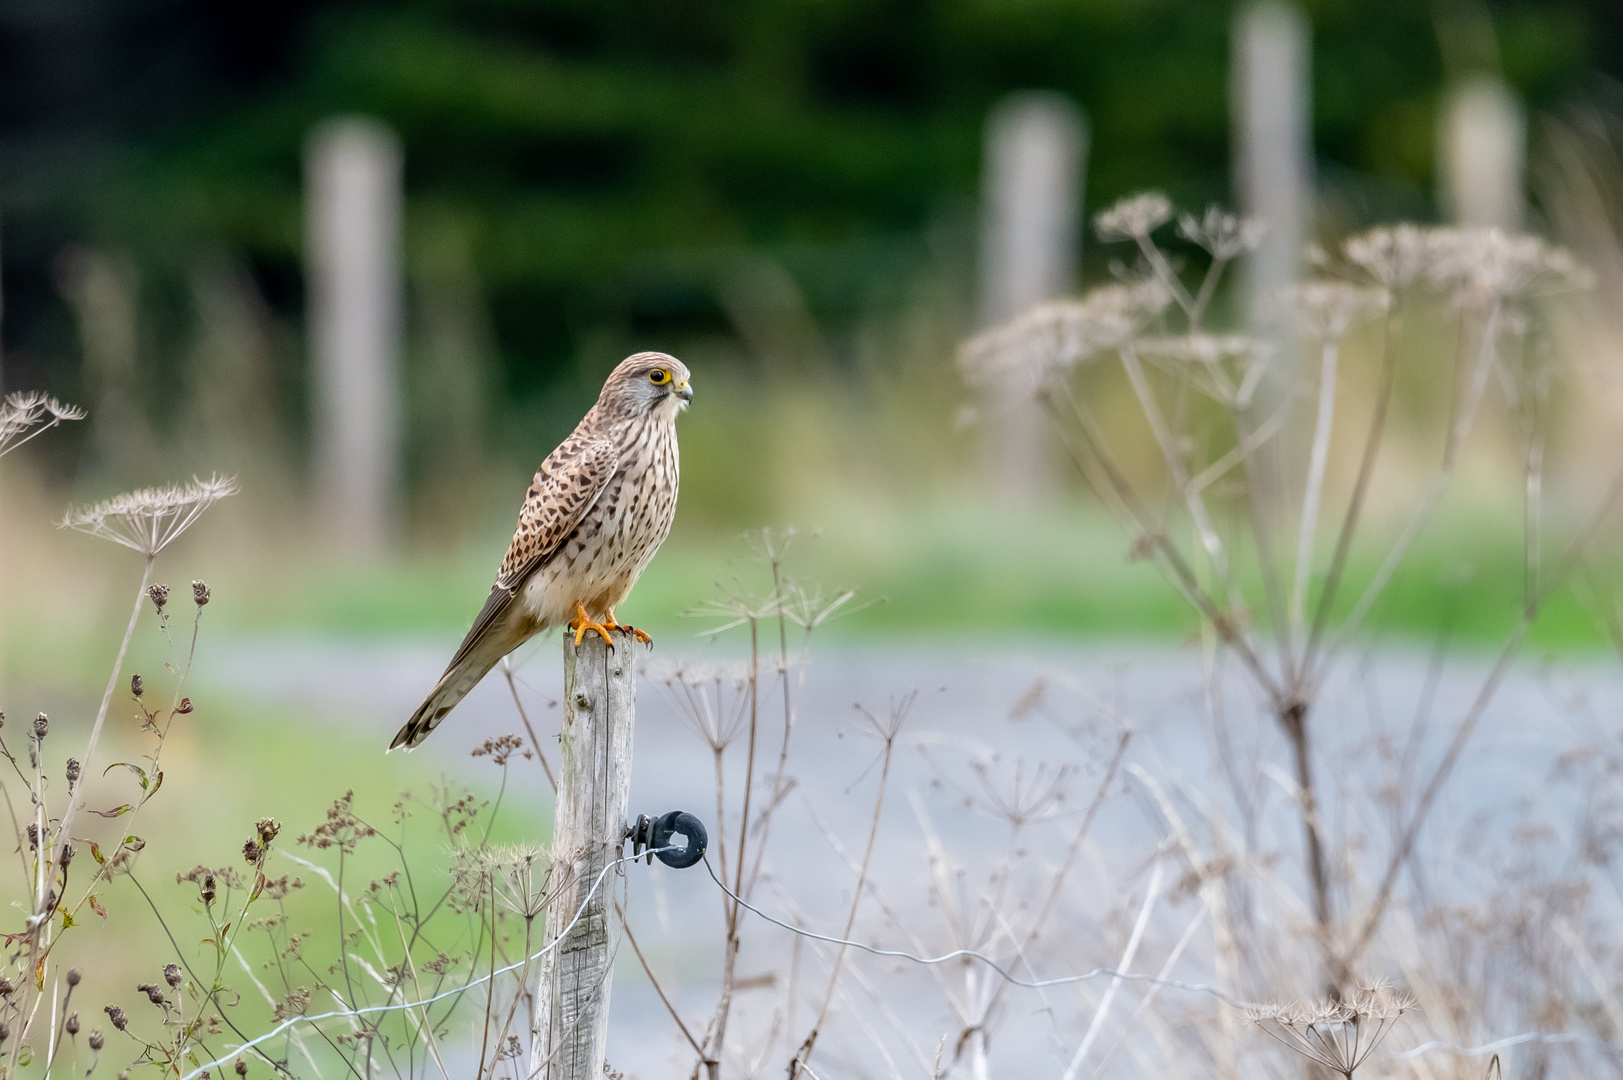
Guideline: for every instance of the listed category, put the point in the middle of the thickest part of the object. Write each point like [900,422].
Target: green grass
[945,569]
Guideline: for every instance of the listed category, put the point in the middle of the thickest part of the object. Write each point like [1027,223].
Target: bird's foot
[582,625]
[640,635]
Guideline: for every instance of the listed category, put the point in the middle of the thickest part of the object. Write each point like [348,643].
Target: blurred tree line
[594,169]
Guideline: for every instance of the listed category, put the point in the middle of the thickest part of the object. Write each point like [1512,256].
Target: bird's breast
[633,516]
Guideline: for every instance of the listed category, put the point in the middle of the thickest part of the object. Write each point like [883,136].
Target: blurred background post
[1271,99]
[353,248]
[1483,154]
[1031,184]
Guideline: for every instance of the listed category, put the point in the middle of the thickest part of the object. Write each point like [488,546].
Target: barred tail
[453,686]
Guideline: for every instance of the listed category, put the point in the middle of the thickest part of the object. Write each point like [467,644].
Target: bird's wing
[565,488]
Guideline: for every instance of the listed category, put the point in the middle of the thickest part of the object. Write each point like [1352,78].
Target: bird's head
[649,382]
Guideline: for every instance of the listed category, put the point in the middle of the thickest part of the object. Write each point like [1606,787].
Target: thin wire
[452,992]
[1501,1044]
[1204,988]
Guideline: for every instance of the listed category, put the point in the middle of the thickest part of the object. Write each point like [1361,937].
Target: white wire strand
[1038,984]
[1030,984]
[1505,1044]
[452,992]
[1204,988]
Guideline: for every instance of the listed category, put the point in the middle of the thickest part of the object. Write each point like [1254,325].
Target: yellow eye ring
[659,376]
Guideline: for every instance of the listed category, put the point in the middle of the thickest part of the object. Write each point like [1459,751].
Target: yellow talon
[632,630]
[583,623]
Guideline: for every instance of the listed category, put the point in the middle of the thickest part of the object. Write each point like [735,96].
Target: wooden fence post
[570,1034]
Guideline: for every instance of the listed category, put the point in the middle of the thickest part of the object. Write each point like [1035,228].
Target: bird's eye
[659,376]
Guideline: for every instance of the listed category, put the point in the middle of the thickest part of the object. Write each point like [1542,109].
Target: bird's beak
[684,391]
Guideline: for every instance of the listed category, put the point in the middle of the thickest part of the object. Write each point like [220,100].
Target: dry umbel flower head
[28,413]
[1225,236]
[1134,217]
[1483,266]
[1395,256]
[1225,367]
[1328,309]
[1053,338]
[1339,1035]
[1478,265]
[150,519]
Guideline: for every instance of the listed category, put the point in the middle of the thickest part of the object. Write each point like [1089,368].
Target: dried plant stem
[797,1064]
[1151,894]
[765,827]
[717,1033]
[1293,719]
[1428,795]
[1057,885]
[1166,275]
[1355,504]
[1318,460]
[1182,574]
[1174,459]
[1486,353]
[670,1008]
[1256,502]
[1208,289]
[106,701]
[1533,470]
[529,729]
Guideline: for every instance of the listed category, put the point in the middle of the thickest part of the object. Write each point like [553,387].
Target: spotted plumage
[597,511]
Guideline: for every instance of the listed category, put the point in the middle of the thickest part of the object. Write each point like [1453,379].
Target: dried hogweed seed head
[1223,235]
[137,687]
[96,1040]
[147,521]
[1328,309]
[27,413]
[171,974]
[42,726]
[1134,217]
[117,1017]
[251,851]
[1395,256]
[200,593]
[73,770]
[159,595]
[73,977]
[71,1026]
[267,829]
[1052,338]
[153,991]
[1484,265]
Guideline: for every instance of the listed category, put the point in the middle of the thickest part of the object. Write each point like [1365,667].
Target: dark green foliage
[603,159]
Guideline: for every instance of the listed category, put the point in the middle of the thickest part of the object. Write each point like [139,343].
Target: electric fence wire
[1031,984]
[1204,988]
[1015,980]
[368,1010]
[1504,1044]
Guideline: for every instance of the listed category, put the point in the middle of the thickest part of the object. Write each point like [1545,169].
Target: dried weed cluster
[1256,881]
[1243,519]
[385,965]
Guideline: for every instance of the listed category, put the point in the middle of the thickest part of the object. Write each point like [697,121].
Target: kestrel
[597,511]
